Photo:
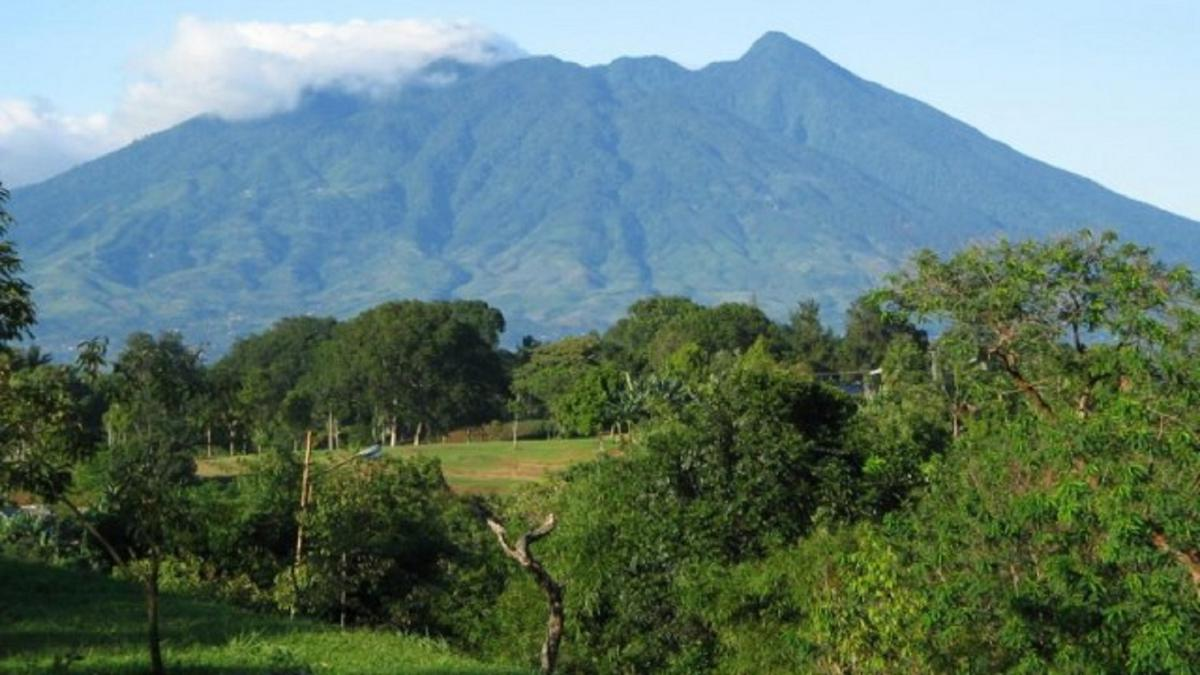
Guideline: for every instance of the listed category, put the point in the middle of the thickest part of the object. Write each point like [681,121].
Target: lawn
[65,621]
[493,466]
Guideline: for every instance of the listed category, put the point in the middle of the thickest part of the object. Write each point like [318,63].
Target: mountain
[556,192]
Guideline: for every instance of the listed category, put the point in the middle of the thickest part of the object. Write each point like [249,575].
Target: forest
[992,466]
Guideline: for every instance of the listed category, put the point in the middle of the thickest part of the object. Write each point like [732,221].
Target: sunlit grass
[492,466]
[57,620]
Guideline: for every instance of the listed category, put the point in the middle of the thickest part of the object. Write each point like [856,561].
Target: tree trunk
[156,662]
[516,422]
[329,430]
[554,628]
[554,591]
[232,437]
[417,435]
[208,446]
[392,432]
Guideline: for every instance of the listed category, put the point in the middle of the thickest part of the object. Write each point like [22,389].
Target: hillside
[56,620]
[556,192]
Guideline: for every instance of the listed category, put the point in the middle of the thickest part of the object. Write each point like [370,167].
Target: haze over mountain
[556,192]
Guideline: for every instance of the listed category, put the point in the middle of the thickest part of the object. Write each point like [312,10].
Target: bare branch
[554,591]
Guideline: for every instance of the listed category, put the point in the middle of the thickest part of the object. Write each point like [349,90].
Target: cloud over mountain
[238,71]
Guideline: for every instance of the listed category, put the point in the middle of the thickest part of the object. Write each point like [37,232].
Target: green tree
[265,369]
[628,340]
[808,341]
[588,407]
[389,544]
[869,331]
[487,320]
[1062,322]
[43,430]
[44,409]
[156,385]
[420,365]
[552,369]
[16,303]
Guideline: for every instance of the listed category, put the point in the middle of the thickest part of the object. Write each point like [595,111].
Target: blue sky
[1107,89]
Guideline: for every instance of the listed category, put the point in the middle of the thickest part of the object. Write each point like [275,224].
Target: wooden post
[303,494]
[304,499]
[342,618]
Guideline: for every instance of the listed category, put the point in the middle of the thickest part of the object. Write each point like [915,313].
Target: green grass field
[63,621]
[493,466]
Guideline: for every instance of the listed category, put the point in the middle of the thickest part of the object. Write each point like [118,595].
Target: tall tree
[16,303]
[484,318]
[808,340]
[421,366]
[869,331]
[156,387]
[1060,322]
[267,368]
[552,369]
[630,338]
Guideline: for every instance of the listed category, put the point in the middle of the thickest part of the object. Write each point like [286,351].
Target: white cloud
[237,71]
[36,142]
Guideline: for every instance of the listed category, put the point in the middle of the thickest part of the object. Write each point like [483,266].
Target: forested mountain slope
[555,192]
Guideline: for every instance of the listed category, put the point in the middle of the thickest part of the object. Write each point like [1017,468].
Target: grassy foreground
[63,621]
[492,466]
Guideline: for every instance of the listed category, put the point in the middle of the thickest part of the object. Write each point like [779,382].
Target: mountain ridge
[557,192]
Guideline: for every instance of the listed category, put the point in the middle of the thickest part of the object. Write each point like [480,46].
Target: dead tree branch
[554,591]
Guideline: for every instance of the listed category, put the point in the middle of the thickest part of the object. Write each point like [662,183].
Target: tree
[16,303]
[747,463]
[630,338]
[156,383]
[42,430]
[588,406]
[807,340]
[730,327]
[519,551]
[334,387]
[552,369]
[389,544]
[43,408]
[418,364]
[869,331]
[656,328]
[265,369]
[485,319]
[1061,322]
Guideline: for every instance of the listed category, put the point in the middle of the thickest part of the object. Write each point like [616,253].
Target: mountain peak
[775,45]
